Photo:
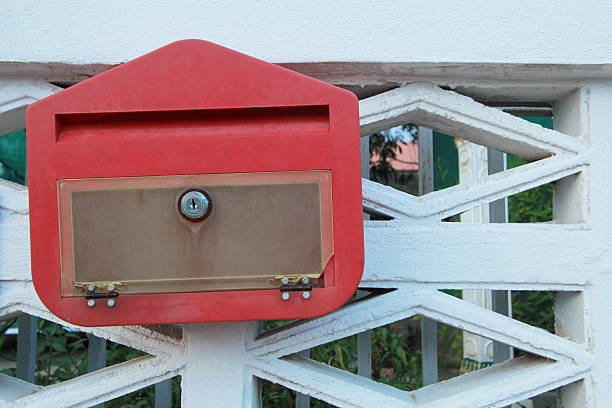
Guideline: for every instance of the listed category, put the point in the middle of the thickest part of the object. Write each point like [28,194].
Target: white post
[584,114]
[215,373]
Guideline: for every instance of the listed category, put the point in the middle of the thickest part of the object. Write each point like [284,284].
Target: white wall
[113,31]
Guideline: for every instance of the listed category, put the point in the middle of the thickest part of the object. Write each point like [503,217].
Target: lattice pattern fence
[415,253]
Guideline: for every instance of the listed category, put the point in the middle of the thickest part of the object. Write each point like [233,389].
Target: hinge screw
[305,281]
[111,287]
[285,281]
[91,303]
[91,288]
[110,303]
[285,296]
[306,295]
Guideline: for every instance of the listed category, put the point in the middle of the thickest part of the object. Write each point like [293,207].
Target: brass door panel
[129,232]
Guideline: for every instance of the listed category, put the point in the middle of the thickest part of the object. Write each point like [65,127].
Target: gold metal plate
[129,232]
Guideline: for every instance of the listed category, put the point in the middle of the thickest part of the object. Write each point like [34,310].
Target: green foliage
[273,324]
[395,362]
[60,355]
[116,353]
[534,308]
[530,206]
[340,354]
[385,148]
[450,340]
[535,205]
[275,395]
[450,346]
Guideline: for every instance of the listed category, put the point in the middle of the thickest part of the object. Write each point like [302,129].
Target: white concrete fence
[415,253]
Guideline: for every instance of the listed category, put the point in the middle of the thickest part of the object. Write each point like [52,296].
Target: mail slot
[193,184]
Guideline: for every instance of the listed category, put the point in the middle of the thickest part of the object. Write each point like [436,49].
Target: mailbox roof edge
[192,74]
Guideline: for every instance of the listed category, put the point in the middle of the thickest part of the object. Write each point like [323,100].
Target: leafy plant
[384,147]
[394,361]
[534,308]
[535,205]
[61,355]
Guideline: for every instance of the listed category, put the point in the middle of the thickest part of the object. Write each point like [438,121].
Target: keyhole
[194,205]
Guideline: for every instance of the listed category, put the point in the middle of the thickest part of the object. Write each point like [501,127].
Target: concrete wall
[113,31]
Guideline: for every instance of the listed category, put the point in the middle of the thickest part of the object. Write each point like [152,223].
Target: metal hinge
[100,290]
[296,284]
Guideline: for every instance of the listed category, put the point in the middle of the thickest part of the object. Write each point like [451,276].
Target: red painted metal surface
[194,107]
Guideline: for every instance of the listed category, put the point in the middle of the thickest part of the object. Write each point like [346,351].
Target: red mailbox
[193,184]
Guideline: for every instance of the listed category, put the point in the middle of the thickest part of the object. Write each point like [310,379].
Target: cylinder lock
[195,205]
